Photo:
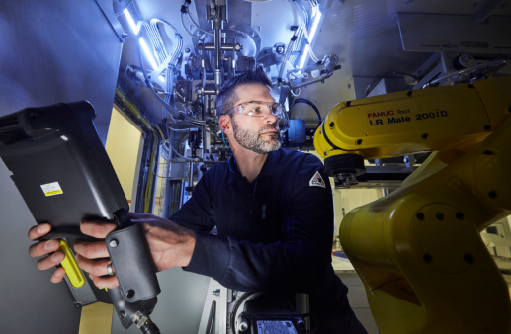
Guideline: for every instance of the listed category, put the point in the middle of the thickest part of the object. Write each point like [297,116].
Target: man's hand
[45,247]
[170,246]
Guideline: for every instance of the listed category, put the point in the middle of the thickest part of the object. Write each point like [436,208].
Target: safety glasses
[258,109]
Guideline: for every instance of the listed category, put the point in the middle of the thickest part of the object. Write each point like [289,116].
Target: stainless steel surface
[302,306]
[52,51]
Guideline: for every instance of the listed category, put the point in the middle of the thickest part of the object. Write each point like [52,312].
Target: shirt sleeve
[299,263]
[197,213]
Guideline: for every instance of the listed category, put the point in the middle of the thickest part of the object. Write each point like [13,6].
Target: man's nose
[271,118]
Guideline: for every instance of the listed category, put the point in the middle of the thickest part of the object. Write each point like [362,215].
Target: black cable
[377,80]
[308,103]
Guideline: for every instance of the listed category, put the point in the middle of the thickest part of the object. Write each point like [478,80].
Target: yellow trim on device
[73,272]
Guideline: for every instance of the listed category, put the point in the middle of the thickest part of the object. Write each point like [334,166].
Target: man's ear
[225,124]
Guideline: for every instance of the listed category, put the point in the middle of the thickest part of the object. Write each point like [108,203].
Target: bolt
[410,3]
[468,58]
[122,314]
[187,50]
[243,326]
[124,35]
[78,305]
[130,294]
[349,86]
[114,243]
[216,292]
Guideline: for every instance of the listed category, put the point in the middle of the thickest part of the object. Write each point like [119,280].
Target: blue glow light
[132,23]
[317,17]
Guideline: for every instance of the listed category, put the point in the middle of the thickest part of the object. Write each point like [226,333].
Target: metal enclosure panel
[52,51]
[454,33]
[179,305]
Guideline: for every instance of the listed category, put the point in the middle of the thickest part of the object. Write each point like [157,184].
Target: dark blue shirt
[274,234]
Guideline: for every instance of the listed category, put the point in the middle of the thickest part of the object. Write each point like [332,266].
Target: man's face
[258,134]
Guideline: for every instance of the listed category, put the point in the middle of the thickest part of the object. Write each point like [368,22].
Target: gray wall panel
[52,51]
[180,304]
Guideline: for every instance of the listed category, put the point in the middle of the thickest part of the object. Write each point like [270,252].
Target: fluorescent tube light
[314,27]
[132,23]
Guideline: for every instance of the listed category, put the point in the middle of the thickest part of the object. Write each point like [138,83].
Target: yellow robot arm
[418,251]
[406,122]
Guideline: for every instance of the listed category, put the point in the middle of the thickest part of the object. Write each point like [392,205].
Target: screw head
[187,50]
[122,314]
[243,326]
[114,243]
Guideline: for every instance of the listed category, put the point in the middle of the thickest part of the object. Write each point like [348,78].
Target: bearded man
[272,209]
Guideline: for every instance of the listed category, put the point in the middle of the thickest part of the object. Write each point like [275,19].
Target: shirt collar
[268,166]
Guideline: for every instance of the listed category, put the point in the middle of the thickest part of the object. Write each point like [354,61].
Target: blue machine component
[296,131]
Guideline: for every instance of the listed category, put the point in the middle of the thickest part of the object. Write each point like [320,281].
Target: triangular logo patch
[317,181]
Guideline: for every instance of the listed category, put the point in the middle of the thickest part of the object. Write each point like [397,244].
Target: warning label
[51,189]
[275,327]
[317,181]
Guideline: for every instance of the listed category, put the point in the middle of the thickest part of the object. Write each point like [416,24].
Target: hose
[176,113]
[312,105]
[465,70]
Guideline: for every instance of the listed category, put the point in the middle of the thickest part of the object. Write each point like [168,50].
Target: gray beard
[252,140]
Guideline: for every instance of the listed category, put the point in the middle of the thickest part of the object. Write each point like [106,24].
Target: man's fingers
[38,231]
[43,247]
[50,261]
[109,282]
[91,250]
[96,268]
[58,275]
[96,229]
